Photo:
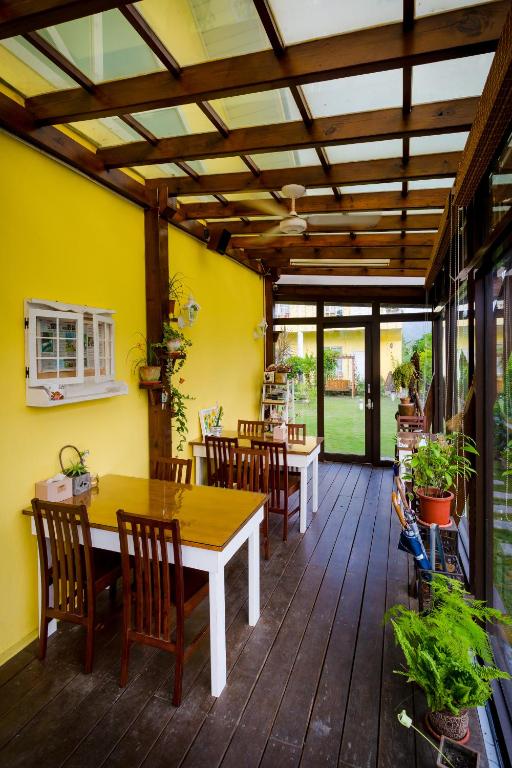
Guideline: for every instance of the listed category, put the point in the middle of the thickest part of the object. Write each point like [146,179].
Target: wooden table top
[305,448]
[209,517]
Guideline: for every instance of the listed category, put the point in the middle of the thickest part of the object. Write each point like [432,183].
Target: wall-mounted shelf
[38,397]
[152,387]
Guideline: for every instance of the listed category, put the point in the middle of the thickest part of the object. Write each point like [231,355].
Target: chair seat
[293,481]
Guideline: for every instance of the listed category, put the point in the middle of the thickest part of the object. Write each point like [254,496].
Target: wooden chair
[158,586]
[296,433]
[217,459]
[78,573]
[174,470]
[282,483]
[251,428]
[249,471]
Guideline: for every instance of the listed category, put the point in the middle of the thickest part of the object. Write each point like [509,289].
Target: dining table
[214,525]
[302,454]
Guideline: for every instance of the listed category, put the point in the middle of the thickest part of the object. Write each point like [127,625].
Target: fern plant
[443,648]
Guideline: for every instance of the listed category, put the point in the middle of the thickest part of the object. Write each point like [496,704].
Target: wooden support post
[269,339]
[157,294]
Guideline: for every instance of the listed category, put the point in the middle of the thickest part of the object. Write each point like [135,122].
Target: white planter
[174,345]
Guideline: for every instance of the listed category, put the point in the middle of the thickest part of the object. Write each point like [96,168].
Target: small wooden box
[56,490]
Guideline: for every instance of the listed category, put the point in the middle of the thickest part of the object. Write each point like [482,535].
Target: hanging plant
[178,401]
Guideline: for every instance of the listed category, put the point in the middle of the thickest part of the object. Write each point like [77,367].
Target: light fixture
[190,310]
[261,329]
[321,263]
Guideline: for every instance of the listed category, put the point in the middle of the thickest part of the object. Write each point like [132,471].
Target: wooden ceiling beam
[17,17]
[335,252]
[349,240]
[140,25]
[415,222]
[362,201]
[267,19]
[462,32]
[425,119]
[400,294]
[354,271]
[390,169]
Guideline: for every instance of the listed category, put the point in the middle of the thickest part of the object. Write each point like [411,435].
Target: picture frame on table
[207,418]
[268,377]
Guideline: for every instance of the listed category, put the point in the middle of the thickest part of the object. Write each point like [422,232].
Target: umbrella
[410,539]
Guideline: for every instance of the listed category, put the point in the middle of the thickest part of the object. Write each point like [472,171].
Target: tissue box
[54,489]
[280,432]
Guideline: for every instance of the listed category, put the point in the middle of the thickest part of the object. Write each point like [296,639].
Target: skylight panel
[106,131]
[196,31]
[262,108]
[300,20]
[453,79]
[104,46]
[27,71]
[236,196]
[361,93]
[369,150]
[445,142]
[428,7]
[385,186]
[269,160]
[219,165]
[168,170]
[175,121]
[432,183]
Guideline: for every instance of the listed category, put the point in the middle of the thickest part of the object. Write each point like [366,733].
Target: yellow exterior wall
[225,363]
[62,238]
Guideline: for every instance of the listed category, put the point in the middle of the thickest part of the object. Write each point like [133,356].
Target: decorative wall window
[69,353]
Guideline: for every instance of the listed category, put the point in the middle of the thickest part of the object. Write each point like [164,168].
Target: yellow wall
[62,238]
[225,363]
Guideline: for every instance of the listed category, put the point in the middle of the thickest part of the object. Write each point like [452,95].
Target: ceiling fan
[292,223]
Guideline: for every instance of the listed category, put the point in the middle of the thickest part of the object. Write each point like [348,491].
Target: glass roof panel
[453,79]
[28,71]
[269,160]
[104,46]
[298,21]
[106,131]
[445,142]
[199,199]
[262,108]
[219,165]
[386,186]
[361,93]
[204,30]
[319,191]
[432,183]
[234,196]
[369,150]
[158,171]
[426,7]
[175,121]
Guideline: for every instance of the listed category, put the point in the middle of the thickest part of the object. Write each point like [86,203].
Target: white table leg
[217,631]
[303,499]
[199,470]
[315,483]
[254,576]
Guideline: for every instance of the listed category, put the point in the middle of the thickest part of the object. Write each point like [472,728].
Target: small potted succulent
[146,361]
[76,469]
[174,340]
[404,376]
[216,428]
[448,654]
[434,470]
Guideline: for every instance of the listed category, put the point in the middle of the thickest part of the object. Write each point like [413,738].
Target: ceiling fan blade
[271,231]
[268,206]
[350,220]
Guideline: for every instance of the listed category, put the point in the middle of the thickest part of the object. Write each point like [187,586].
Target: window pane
[28,71]
[453,79]
[360,93]
[294,310]
[501,185]
[261,108]
[502,476]
[462,350]
[392,309]
[346,310]
[296,346]
[88,346]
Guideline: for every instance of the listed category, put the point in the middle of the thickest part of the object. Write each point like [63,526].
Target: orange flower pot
[434,509]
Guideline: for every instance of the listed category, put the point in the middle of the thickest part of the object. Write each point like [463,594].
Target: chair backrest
[147,610]
[251,428]
[174,470]
[217,459]
[249,469]
[278,472]
[72,569]
[296,433]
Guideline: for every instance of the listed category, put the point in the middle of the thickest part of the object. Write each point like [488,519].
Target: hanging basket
[81,483]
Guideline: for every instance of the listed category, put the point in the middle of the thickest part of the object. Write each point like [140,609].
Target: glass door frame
[366,322]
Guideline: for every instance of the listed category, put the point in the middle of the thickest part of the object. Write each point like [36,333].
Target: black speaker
[219,241]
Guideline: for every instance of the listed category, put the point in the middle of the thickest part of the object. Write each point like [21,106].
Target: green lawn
[344,424]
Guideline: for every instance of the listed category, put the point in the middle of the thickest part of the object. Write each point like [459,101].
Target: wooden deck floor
[310,685]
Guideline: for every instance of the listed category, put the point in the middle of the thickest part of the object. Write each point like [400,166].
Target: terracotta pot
[406,409]
[434,509]
[149,372]
[405,400]
[172,306]
[453,753]
[456,727]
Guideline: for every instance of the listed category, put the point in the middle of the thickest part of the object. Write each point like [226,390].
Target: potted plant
[404,376]
[176,293]
[146,360]
[174,340]
[216,428]
[179,412]
[448,654]
[450,754]
[77,470]
[434,470]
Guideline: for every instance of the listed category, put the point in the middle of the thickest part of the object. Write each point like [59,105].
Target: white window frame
[107,321]
[33,380]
